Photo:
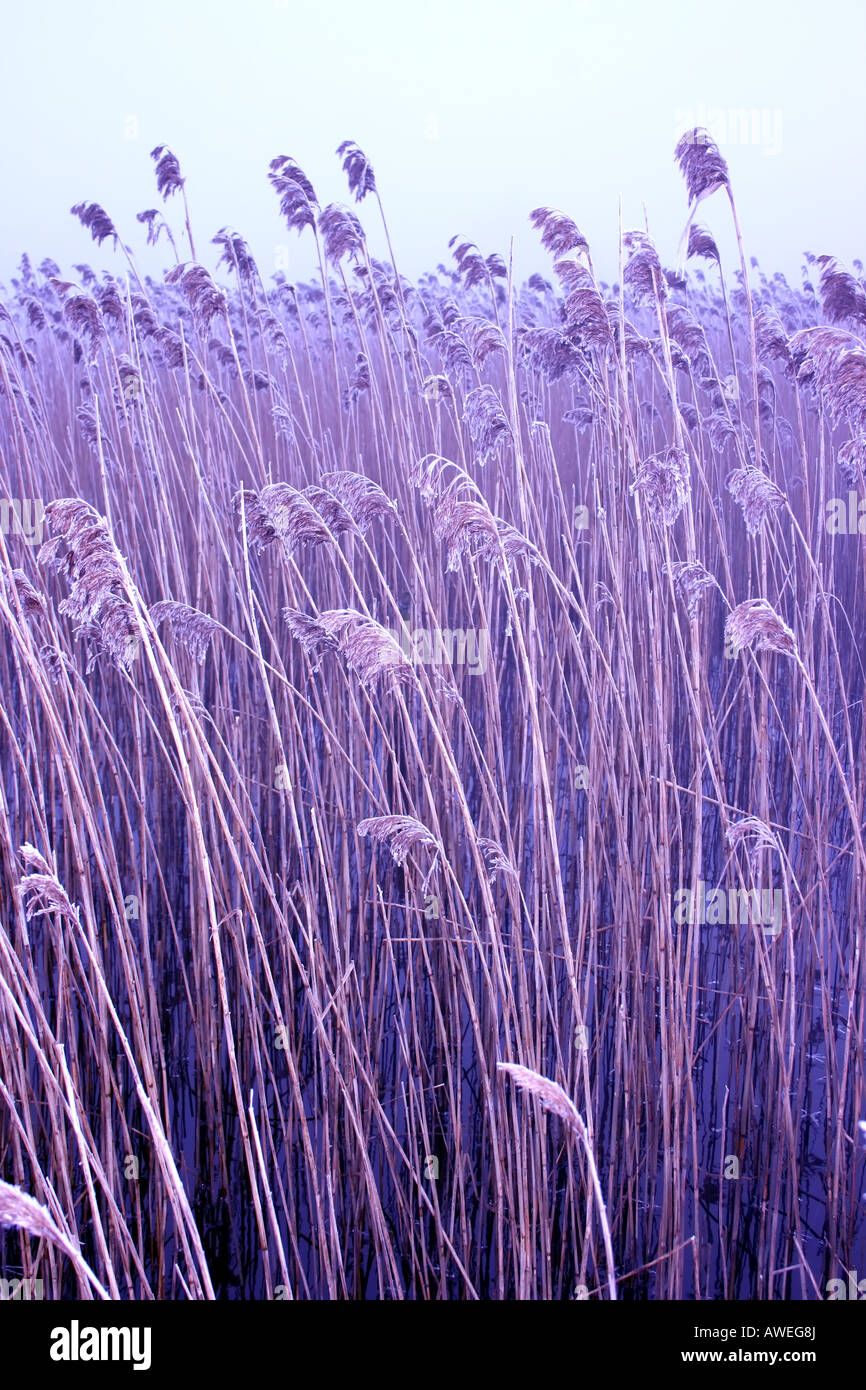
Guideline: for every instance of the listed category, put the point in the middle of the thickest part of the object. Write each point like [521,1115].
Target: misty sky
[472,113]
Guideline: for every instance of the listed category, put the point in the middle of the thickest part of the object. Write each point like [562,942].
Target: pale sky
[472,113]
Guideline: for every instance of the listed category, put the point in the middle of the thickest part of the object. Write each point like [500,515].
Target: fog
[471,113]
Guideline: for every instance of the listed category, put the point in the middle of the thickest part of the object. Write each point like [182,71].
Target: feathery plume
[550,1093]
[470,528]
[97,222]
[401,834]
[83,549]
[754,624]
[720,428]
[481,338]
[756,835]
[274,334]
[55,662]
[636,345]
[842,296]
[362,498]
[488,424]
[237,256]
[642,272]
[190,626]
[281,512]
[40,892]
[204,298]
[771,339]
[455,354]
[559,234]
[298,201]
[495,860]
[852,461]
[688,334]
[472,266]
[168,176]
[170,347]
[584,311]
[549,352]
[555,1099]
[108,299]
[702,244]
[701,164]
[757,494]
[581,416]
[365,646]
[32,602]
[342,233]
[437,388]
[691,582]
[35,314]
[19,1209]
[81,312]
[836,361]
[428,474]
[335,516]
[357,169]
[664,477]
[156,224]
[359,382]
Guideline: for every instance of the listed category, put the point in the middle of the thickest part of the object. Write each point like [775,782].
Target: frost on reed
[691,582]
[32,602]
[752,832]
[203,296]
[664,480]
[553,1098]
[488,424]
[843,298]
[702,244]
[835,360]
[495,860]
[365,646]
[82,550]
[757,494]
[468,528]
[192,628]
[362,497]
[81,312]
[342,233]
[97,222]
[19,1209]
[754,624]
[642,272]
[401,834]
[281,513]
[357,169]
[40,891]
[168,176]
[559,233]
[701,164]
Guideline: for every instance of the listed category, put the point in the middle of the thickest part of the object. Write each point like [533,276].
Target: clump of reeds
[393,656]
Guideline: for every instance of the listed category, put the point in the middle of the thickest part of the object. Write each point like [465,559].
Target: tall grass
[395,659]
